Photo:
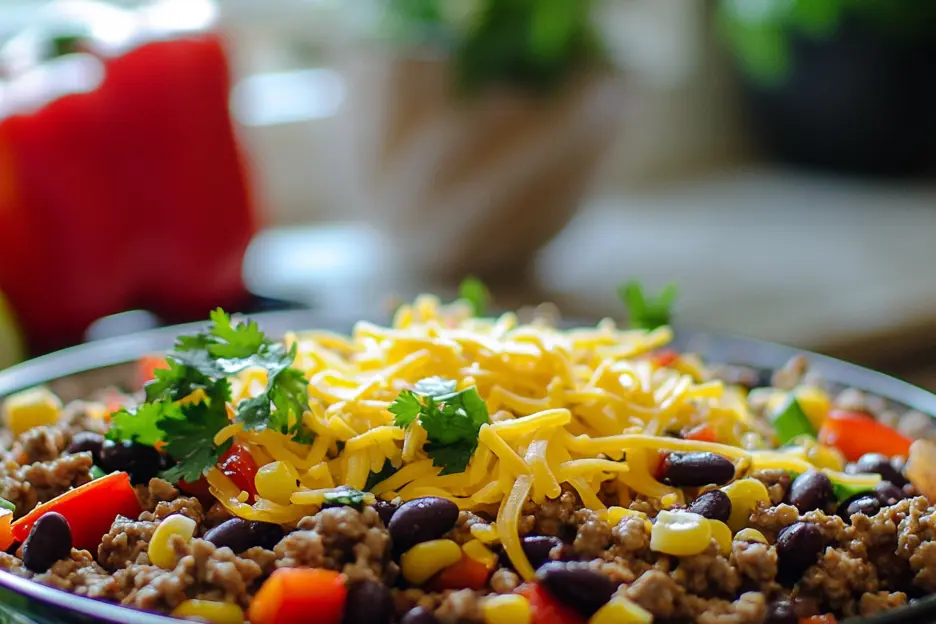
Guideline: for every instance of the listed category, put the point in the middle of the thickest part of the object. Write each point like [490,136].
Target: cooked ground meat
[777,482]
[157,491]
[36,483]
[593,535]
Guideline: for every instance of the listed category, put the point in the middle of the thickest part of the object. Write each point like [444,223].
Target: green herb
[792,422]
[451,420]
[5,504]
[345,496]
[97,472]
[648,312]
[204,362]
[475,293]
[844,492]
[377,477]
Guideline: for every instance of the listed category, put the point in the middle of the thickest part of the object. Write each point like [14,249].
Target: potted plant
[473,127]
[845,85]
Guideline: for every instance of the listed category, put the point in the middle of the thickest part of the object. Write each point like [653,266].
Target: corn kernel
[616,514]
[822,456]
[620,610]
[277,481]
[486,533]
[680,533]
[31,408]
[160,551]
[479,552]
[721,533]
[815,403]
[668,500]
[744,495]
[750,535]
[210,611]
[506,609]
[423,561]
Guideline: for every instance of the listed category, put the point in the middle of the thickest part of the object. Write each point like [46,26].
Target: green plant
[531,44]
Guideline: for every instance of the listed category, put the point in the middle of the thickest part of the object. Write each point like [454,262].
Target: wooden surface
[828,264]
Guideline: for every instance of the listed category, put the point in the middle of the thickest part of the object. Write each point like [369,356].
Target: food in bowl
[458,469]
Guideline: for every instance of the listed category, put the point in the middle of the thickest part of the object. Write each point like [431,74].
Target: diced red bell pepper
[467,573]
[819,619]
[200,489]
[240,467]
[857,433]
[89,509]
[146,368]
[299,595]
[665,358]
[545,609]
[702,433]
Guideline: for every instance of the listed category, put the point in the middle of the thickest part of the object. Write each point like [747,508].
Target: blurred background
[774,158]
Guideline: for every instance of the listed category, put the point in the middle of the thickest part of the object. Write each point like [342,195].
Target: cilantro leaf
[454,457]
[175,383]
[376,477]
[344,496]
[648,312]
[287,391]
[405,409]
[190,430]
[140,426]
[475,293]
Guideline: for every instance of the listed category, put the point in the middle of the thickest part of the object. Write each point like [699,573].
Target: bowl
[78,371]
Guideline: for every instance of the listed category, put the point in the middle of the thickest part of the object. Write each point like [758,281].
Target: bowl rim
[714,346]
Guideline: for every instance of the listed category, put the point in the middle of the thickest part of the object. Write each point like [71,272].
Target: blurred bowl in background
[469,186]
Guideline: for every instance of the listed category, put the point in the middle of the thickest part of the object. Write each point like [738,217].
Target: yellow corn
[680,533]
[210,611]
[744,495]
[668,500]
[620,610]
[506,609]
[277,481]
[822,456]
[814,402]
[421,562]
[750,535]
[160,551]
[721,533]
[31,408]
[616,514]
[479,552]
[486,533]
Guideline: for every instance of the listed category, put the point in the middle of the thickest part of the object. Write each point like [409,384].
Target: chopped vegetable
[6,529]
[96,473]
[146,368]
[791,422]
[296,595]
[239,466]
[476,293]
[452,421]
[89,509]
[856,433]
[545,608]
[5,504]
[648,312]
[665,358]
[467,573]
[921,467]
[702,433]
[31,408]
[345,496]
[385,473]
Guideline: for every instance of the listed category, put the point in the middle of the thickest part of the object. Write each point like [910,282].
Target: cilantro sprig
[452,420]
[198,372]
[476,294]
[645,311]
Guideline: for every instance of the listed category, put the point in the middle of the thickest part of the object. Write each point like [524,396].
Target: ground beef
[749,608]
[36,483]
[341,538]
[872,604]
[461,533]
[14,565]
[407,599]
[593,535]
[504,581]
[630,536]
[81,575]
[126,542]
[188,507]
[838,577]
[916,542]
[756,563]
[770,520]
[833,528]
[39,444]
[458,607]
[658,593]
[157,491]
[708,574]
[777,482]
[554,516]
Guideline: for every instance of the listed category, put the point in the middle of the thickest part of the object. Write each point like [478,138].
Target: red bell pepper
[664,358]
[299,595]
[146,368]
[467,573]
[857,433]
[240,467]
[89,509]
[121,182]
[545,609]
[702,433]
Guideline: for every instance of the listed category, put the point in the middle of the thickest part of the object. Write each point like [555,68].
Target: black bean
[866,503]
[888,493]
[141,462]
[368,602]
[419,615]
[385,510]
[811,490]
[87,441]
[421,520]
[239,534]
[695,469]
[576,585]
[798,547]
[781,612]
[49,540]
[881,464]
[538,547]
[714,505]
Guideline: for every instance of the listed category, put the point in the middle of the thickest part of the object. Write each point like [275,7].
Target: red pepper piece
[146,368]
[199,489]
[299,595]
[240,467]
[857,433]
[89,509]
[468,573]
[819,619]
[665,358]
[545,609]
[702,433]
